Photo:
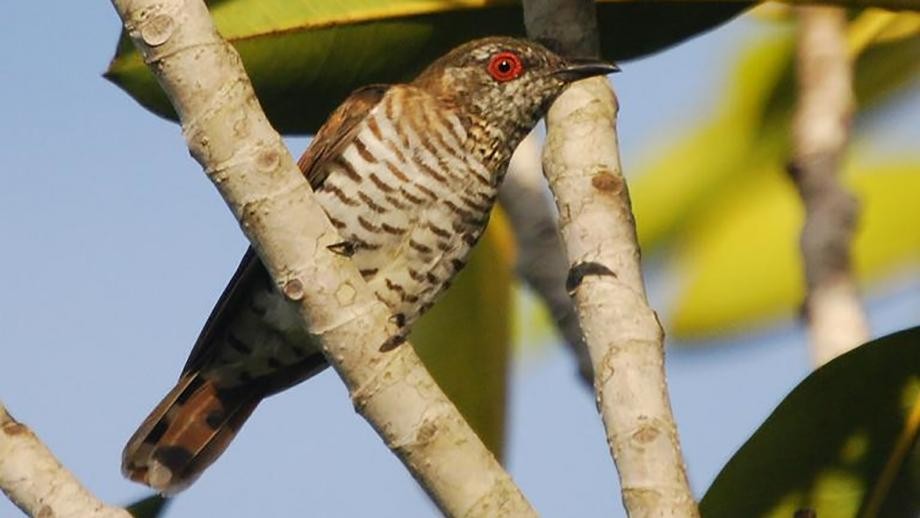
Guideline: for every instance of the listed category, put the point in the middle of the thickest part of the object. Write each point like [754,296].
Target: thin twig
[34,480]
[821,123]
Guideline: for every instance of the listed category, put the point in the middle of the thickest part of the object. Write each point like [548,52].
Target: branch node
[268,159]
[293,289]
[605,181]
[157,30]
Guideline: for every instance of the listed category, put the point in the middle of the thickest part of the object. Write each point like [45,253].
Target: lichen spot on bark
[345,294]
[268,160]
[241,128]
[605,181]
[426,432]
[645,434]
[14,428]
[157,30]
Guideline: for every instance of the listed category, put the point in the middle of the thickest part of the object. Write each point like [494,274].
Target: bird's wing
[249,275]
[199,417]
[338,130]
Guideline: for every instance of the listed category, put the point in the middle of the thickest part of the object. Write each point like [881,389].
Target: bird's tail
[186,432]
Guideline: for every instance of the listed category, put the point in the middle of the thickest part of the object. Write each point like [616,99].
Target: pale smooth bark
[624,336]
[820,133]
[34,480]
[541,261]
[227,132]
[625,339]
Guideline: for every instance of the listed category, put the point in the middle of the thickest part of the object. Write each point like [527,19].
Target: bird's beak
[576,69]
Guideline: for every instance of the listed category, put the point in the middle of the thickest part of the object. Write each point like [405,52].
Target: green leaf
[682,179]
[843,443]
[741,263]
[750,131]
[305,56]
[721,204]
[465,339]
[153,506]
[874,26]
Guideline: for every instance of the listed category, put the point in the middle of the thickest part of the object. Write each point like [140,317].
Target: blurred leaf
[885,70]
[153,506]
[843,443]
[534,328]
[685,178]
[465,339]
[874,26]
[741,261]
[750,131]
[720,201]
[905,25]
[305,56]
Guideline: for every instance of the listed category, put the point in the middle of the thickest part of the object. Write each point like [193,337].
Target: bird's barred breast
[410,198]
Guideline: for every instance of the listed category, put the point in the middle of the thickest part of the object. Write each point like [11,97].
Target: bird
[408,174]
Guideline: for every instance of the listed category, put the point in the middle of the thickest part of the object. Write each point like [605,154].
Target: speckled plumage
[408,175]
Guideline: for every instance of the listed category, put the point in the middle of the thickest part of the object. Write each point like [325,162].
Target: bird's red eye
[505,66]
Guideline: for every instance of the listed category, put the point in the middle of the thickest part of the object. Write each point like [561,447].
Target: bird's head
[505,85]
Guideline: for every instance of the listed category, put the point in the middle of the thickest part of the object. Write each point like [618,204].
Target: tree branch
[37,483]
[624,336]
[820,133]
[227,132]
[541,261]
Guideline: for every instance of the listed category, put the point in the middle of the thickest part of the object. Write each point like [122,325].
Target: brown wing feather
[185,433]
[329,141]
[338,131]
[195,422]
[249,275]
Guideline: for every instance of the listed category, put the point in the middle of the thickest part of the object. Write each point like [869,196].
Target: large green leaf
[465,339]
[305,56]
[843,443]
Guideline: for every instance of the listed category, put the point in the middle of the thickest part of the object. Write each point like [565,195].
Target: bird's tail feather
[185,433]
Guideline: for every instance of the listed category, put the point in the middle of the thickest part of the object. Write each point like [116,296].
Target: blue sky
[116,248]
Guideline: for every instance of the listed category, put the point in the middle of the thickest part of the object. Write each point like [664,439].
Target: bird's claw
[344,248]
[392,342]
